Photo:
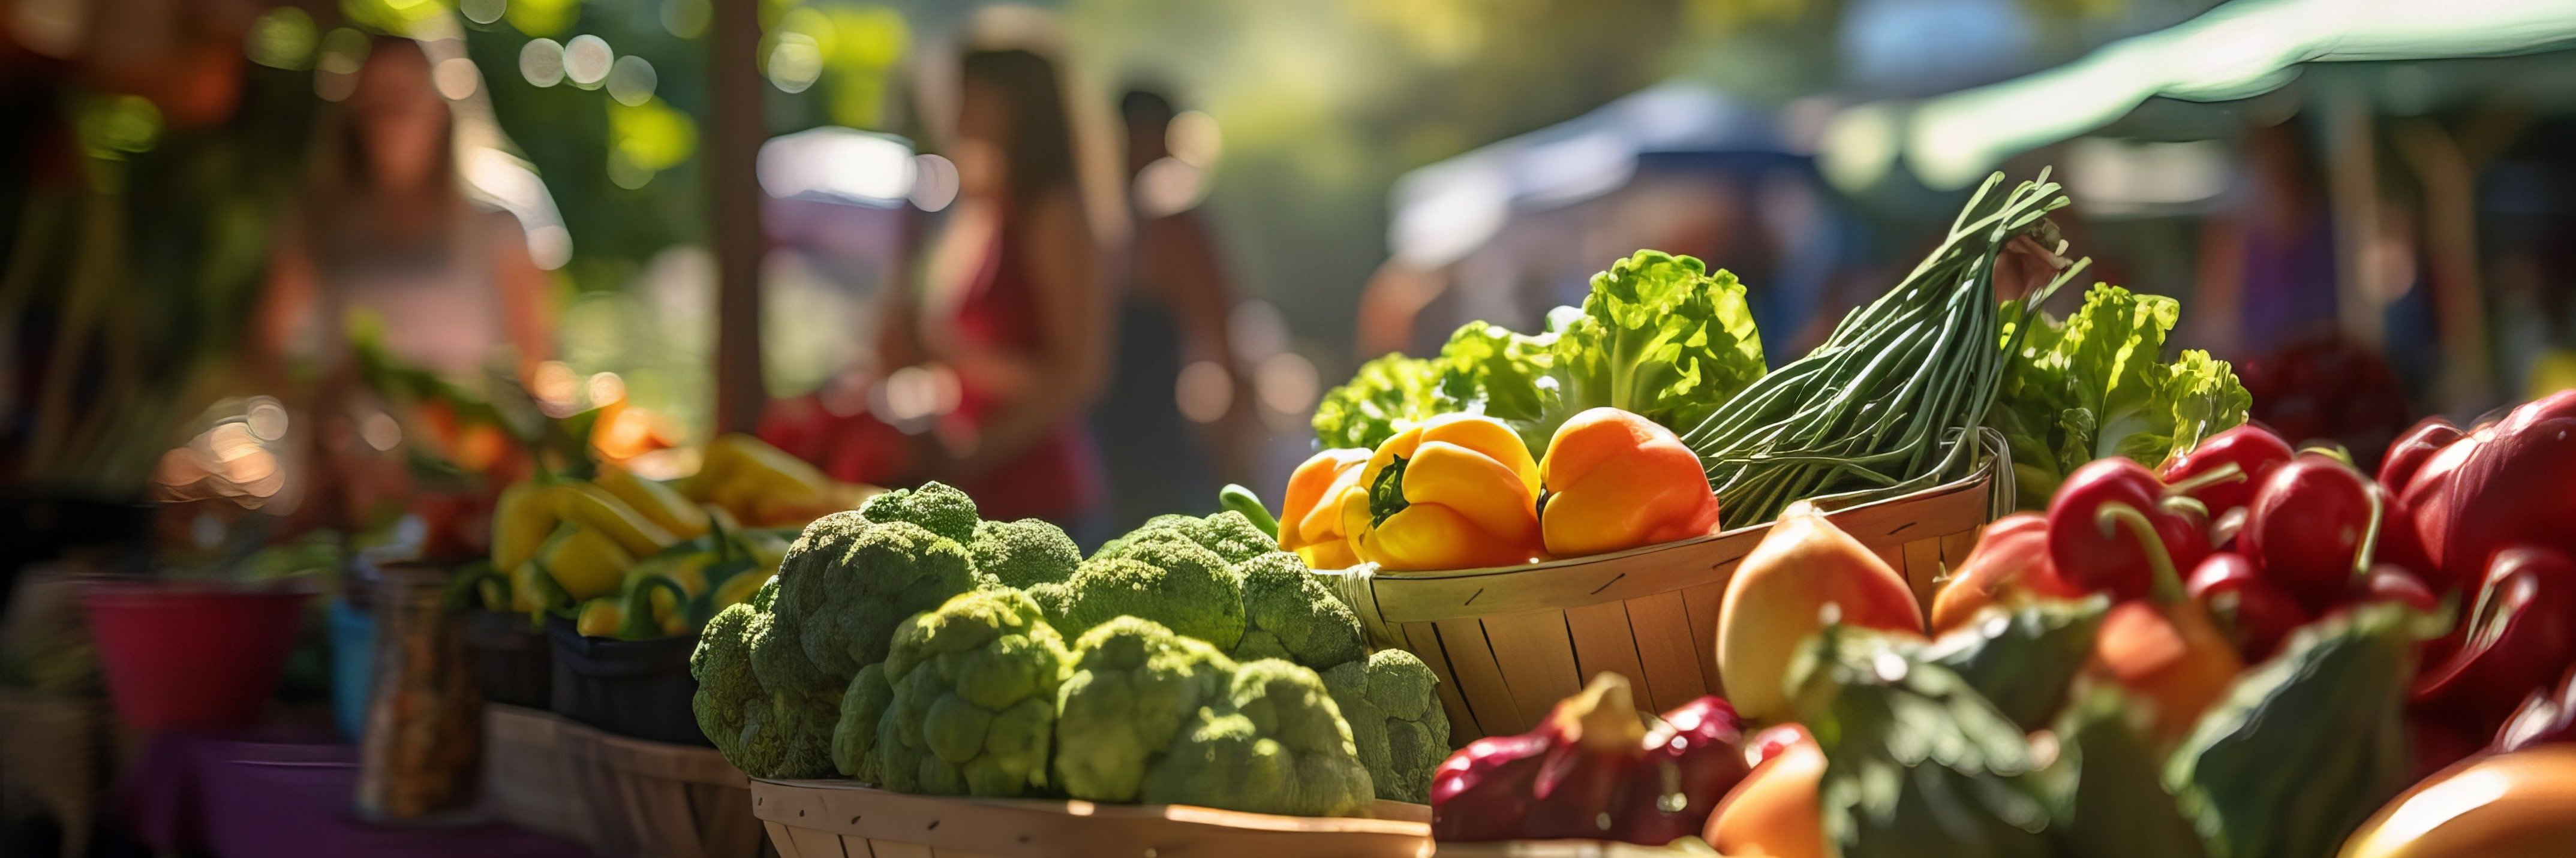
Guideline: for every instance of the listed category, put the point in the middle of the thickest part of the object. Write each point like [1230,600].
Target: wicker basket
[528,773]
[833,819]
[1509,642]
[658,800]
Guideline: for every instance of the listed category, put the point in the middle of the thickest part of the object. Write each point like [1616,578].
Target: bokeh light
[541,62]
[631,80]
[456,78]
[685,19]
[1204,392]
[1193,137]
[335,72]
[281,38]
[586,60]
[795,61]
[934,182]
[482,11]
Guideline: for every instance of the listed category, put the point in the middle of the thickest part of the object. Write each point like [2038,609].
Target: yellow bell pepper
[599,618]
[585,563]
[1458,491]
[659,503]
[1310,521]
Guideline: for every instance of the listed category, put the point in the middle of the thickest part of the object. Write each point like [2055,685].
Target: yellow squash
[658,503]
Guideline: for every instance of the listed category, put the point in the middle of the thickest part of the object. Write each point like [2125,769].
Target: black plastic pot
[639,689]
[515,664]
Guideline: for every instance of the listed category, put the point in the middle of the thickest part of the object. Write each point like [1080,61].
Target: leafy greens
[2094,386]
[1659,335]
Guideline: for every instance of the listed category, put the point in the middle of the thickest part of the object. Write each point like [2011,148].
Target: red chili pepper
[2089,552]
[2410,451]
[2184,527]
[1592,771]
[2256,613]
[2311,527]
[2521,637]
[2254,450]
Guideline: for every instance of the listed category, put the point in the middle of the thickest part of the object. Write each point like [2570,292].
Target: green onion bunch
[1892,401]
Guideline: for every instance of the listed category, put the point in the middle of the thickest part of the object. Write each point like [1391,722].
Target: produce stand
[829,819]
[1509,643]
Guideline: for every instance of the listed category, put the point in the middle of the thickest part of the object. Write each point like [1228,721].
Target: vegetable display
[623,556]
[911,644]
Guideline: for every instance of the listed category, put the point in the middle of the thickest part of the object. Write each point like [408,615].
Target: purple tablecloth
[287,793]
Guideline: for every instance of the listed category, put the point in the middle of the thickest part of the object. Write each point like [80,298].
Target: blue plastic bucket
[353,665]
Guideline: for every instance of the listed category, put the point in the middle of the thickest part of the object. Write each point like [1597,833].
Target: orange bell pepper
[1614,480]
[1458,491]
[1310,520]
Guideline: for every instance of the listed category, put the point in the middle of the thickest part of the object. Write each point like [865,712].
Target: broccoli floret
[1288,613]
[722,666]
[1134,685]
[1186,588]
[1396,720]
[847,582]
[1273,744]
[937,507]
[1227,533]
[856,733]
[974,698]
[1233,537]
[1024,553]
[761,729]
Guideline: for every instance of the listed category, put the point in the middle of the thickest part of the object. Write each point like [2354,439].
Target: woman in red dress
[1012,304]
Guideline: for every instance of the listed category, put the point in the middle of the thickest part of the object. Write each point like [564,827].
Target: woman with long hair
[1011,303]
[384,229]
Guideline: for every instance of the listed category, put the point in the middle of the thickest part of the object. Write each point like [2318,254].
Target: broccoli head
[973,708]
[1288,613]
[762,730]
[937,507]
[1273,743]
[1228,533]
[1396,721]
[1186,588]
[855,735]
[1024,553]
[847,582]
[1134,685]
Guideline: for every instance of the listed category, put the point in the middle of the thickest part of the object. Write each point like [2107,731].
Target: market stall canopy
[2239,50]
[1446,210]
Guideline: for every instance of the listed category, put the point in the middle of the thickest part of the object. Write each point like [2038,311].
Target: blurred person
[1167,454]
[384,231]
[1011,306]
[2267,271]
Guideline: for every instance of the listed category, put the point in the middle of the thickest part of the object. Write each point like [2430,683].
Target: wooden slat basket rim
[1046,826]
[1385,599]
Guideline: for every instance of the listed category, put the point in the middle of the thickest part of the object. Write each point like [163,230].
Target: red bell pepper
[2311,528]
[2520,638]
[2410,451]
[1692,759]
[2254,450]
[1593,771]
[2510,488]
[2010,562]
[2256,613]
